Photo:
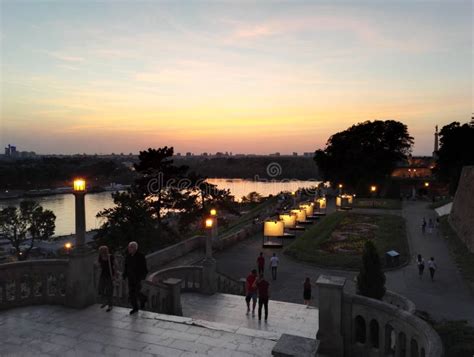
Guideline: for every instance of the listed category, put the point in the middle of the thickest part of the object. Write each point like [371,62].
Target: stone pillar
[175,288]
[80,289]
[80,219]
[209,277]
[330,315]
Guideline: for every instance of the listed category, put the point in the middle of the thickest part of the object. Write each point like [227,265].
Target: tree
[456,150]
[164,201]
[364,154]
[131,219]
[371,278]
[252,197]
[23,226]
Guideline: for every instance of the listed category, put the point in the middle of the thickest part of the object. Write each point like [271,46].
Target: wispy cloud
[64,56]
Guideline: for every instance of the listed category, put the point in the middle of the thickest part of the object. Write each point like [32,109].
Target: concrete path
[447,296]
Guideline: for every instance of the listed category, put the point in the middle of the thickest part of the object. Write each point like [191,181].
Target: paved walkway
[283,317]
[90,332]
[446,297]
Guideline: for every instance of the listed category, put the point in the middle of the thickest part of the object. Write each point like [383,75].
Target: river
[63,205]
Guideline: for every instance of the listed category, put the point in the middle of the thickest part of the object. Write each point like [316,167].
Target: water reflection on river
[63,205]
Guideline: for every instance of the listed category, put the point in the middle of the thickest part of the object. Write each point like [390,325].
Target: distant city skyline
[103,77]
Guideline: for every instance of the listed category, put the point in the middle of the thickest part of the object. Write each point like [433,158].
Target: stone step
[295,346]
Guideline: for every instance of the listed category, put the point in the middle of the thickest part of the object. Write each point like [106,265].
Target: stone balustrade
[191,277]
[33,282]
[354,325]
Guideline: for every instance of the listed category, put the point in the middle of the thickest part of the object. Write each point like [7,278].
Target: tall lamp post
[209,283]
[373,190]
[213,213]
[79,194]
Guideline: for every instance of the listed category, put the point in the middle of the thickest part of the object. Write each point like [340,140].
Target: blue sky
[228,76]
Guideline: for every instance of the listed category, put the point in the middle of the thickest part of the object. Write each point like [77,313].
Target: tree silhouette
[456,150]
[364,154]
[26,225]
[371,278]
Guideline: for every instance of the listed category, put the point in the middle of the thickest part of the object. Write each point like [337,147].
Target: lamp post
[67,247]
[373,190]
[209,283]
[79,194]
[209,226]
[340,188]
[213,213]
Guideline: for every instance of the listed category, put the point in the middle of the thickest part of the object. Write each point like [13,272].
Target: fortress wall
[462,213]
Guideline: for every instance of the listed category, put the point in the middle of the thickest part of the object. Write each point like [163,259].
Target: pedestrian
[135,270]
[263,297]
[423,226]
[108,272]
[421,265]
[251,291]
[430,226]
[307,291]
[261,263]
[432,266]
[274,265]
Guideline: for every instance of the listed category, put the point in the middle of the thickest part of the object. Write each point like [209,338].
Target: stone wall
[462,213]
[356,326]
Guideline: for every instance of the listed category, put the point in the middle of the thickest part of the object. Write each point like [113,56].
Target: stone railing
[161,295]
[190,277]
[227,285]
[399,301]
[33,282]
[354,325]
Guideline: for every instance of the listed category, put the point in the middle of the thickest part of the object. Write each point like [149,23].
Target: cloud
[64,56]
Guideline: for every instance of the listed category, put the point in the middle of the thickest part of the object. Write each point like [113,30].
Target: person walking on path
[307,292]
[135,270]
[263,297]
[421,265]
[251,291]
[261,263]
[108,272]
[274,265]
[423,226]
[430,226]
[432,266]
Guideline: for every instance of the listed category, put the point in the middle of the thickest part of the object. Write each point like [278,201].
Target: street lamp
[209,223]
[213,213]
[340,188]
[373,190]
[273,230]
[79,190]
[427,184]
[67,247]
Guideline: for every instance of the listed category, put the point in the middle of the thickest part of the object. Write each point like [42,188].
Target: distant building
[308,154]
[295,153]
[275,154]
[189,154]
[10,151]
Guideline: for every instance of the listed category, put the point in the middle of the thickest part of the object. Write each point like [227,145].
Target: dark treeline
[50,172]
[297,167]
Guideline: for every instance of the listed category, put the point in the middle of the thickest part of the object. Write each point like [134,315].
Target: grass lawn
[338,239]
[464,259]
[377,203]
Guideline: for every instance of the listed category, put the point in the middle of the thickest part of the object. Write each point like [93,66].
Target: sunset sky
[230,76]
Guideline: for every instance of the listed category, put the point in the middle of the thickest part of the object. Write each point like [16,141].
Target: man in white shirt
[274,265]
